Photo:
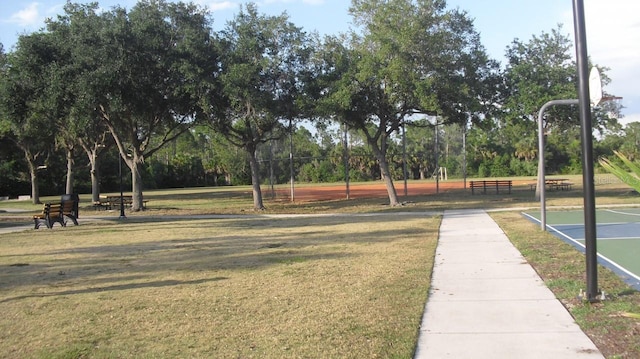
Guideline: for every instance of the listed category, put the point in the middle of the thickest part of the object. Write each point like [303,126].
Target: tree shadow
[117,287]
[251,244]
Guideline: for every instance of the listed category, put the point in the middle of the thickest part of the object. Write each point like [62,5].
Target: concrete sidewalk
[486,301]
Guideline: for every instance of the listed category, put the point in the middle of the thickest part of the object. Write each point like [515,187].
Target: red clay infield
[360,190]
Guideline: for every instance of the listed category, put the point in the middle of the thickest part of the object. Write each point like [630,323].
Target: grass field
[348,287]
[346,279]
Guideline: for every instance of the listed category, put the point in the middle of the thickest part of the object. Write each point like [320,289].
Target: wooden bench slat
[113,202]
[491,184]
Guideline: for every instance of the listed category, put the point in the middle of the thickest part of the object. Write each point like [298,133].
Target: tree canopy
[144,73]
[410,58]
[262,61]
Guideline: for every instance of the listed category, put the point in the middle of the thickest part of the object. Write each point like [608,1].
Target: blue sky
[613,27]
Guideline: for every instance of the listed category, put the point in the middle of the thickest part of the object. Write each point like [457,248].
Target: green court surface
[617,237]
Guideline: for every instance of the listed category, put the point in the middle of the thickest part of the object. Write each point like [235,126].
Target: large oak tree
[263,60]
[29,101]
[155,71]
[408,58]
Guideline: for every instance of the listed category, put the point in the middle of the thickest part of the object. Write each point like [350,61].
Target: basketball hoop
[595,87]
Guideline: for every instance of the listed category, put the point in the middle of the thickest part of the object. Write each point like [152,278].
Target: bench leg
[52,221]
[39,221]
[73,219]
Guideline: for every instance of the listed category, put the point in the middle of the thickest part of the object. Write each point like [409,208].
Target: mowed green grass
[348,286]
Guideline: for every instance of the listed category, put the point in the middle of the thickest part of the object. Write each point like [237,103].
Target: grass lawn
[316,287]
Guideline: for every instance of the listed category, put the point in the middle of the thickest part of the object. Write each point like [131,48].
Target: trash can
[76,200]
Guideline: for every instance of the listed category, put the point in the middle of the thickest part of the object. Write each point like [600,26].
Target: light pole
[464,154]
[346,160]
[291,173]
[437,150]
[404,158]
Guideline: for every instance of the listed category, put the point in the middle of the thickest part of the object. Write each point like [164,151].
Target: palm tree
[629,175]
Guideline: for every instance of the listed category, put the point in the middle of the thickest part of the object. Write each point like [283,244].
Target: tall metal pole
[291,173]
[587,151]
[437,155]
[404,159]
[464,155]
[346,159]
[540,187]
[271,175]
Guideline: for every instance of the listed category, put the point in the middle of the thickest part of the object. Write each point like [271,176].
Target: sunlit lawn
[316,287]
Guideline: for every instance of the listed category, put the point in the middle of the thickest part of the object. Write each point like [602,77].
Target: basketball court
[617,232]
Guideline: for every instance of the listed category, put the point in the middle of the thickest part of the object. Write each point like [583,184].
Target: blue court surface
[617,237]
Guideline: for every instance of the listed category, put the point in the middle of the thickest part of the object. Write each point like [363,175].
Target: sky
[612,26]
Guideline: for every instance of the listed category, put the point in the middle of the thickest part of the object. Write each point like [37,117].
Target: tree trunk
[136,183]
[386,174]
[95,176]
[388,182]
[33,172]
[255,181]
[70,173]
[93,154]
[35,188]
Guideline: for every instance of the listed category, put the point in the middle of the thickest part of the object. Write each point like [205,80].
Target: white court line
[608,239]
[624,213]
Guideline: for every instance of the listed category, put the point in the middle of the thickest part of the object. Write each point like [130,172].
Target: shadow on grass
[250,244]
[155,284]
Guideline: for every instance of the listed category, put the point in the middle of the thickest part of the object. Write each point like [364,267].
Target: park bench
[113,202]
[56,212]
[491,185]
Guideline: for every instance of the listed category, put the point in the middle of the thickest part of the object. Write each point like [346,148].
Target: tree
[28,101]
[631,144]
[75,34]
[413,57]
[154,72]
[263,59]
[539,71]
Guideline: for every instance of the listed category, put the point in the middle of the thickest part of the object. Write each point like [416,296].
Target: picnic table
[113,202]
[555,183]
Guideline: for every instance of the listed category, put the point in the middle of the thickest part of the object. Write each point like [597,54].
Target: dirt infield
[360,190]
